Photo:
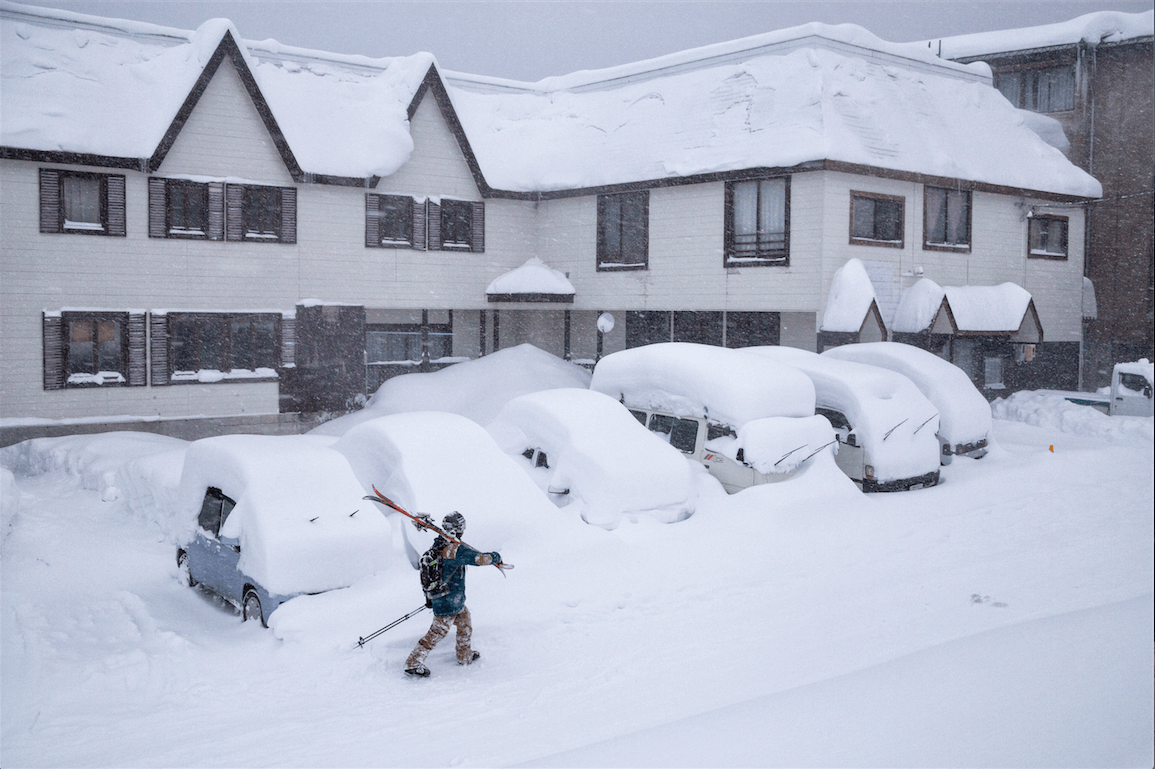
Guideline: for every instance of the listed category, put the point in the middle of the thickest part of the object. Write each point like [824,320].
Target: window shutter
[116,222]
[216,229]
[156,208]
[288,342]
[418,226]
[477,228]
[372,220]
[158,336]
[49,200]
[234,212]
[288,214]
[137,350]
[433,225]
[53,326]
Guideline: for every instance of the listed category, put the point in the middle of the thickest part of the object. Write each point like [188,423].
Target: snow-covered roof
[1091,28]
[83,84]
[814,94]
[818,103]
[851,297]
[703,380]
[534,278]
[1001,308]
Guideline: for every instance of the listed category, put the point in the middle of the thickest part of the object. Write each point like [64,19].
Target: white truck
[1130,393]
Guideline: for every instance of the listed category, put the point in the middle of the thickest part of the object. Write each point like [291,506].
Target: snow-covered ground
[1003,618]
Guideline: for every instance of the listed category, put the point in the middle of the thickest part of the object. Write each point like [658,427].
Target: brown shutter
[288,342]
[234,212]
[372,220]
[433,225]
[137,350]
[49,200]
[288,214]
[116,206]
[477,228]
[158,342]
[419,225]
[53,326]
[156,207]
[216,230]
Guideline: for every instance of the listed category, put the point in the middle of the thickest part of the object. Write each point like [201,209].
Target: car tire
[182,564]
[251,607]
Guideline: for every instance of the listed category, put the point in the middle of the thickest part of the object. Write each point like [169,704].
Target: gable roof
[116,93]
[1005,309]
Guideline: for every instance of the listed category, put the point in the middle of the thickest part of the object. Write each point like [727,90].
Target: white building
[198,225]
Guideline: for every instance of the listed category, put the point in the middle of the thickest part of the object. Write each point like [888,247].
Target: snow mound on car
[612,465]
[300,517]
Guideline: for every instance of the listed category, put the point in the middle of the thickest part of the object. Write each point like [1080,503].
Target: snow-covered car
[964,415]
[1132,386]
[586,450]
[886,428]
[704,401]
[270,518]
[436,463]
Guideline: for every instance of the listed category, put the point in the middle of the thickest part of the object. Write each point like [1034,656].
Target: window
[207,347]
[993,373]
[623,231]
[946,219]
[260,214]
[1050,89]
[682,434]
[396,225]
[215,509]
[179,208]
[188,204]
[455,225]
[397,343]
[93,348]
[1047,236]
[876,220]
[81,203]
[758,222]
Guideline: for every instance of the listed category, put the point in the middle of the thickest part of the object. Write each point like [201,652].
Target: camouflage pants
[437,631]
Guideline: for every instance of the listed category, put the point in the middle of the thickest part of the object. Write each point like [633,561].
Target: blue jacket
[454,559]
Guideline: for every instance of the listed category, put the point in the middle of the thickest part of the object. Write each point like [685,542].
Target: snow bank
[533,277]
[613,466]
[93,459]
[918,307]
[476,389]
[891,418]
[1055,412]
[724,385]
[436,463]
[851,294]
[964,414]
[9,501]
[781,444]
[302,524]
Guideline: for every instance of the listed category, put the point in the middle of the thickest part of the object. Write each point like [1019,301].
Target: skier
[448,602]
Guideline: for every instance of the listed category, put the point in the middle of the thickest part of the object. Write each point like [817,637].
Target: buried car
[885,426]
[269,518]
[585,449]
[700,399]
[964,424]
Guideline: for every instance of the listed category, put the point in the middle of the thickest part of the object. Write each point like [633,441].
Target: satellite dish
[605,323]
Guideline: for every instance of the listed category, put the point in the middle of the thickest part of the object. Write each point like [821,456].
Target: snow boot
[474,658]
[417,672]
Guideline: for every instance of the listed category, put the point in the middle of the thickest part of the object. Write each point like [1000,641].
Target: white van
[727,410]
[886,427]
[964,424]
[1131,389]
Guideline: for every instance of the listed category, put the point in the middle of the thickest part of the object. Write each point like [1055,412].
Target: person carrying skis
[448,598]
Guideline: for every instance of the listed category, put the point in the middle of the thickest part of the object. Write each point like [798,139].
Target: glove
[428,602]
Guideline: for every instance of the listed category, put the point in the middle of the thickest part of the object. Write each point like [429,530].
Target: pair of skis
[422,522]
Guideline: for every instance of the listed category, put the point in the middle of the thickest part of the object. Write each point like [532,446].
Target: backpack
[433,582]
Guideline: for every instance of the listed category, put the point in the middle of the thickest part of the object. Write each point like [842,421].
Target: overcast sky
[532,39]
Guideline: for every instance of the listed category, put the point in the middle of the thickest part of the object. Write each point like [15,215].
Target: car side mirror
[560,491]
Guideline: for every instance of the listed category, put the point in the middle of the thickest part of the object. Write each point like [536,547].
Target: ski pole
[394,623]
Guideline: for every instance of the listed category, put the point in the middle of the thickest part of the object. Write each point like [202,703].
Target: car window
[1134,382]
[682,434]
[715,430]
[214,510]
[837,419]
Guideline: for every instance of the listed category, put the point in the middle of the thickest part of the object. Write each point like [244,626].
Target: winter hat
[454,524]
